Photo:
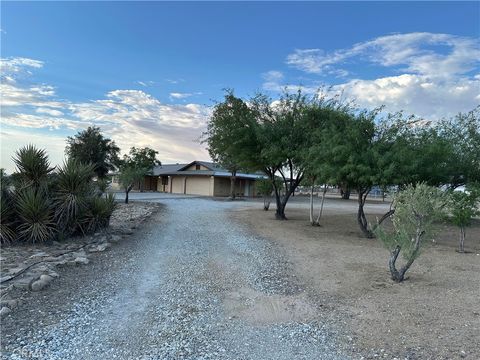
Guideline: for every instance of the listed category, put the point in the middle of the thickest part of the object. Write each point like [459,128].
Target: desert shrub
[35,216]
[72,193]
[7,233]
[463,207]
[98,213]
[33,167]
[416,211]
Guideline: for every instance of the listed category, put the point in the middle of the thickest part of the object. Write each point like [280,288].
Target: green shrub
[98,213]
[73,189]
[33,167]
[35,216]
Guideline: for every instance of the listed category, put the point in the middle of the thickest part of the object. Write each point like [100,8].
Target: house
[199,178]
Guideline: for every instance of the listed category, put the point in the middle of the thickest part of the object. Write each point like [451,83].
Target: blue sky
[147,72]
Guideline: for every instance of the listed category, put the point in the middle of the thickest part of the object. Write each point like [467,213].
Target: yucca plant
[35,216]
[73,189]
[7,233]
[33,166]
[98,213]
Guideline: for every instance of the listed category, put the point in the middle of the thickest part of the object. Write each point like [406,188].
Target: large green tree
[90,146]
[227,135]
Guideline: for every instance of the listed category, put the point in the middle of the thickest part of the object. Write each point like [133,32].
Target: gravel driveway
[189,285]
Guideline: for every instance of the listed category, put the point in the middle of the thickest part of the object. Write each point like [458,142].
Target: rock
[100,247]
[46,278]
[38,285]
[24,283]
[12,304]
[39,254]
[4,311]
[81,260]
[115,238]
[53,274]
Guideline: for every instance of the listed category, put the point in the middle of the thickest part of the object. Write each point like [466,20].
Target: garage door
[198,185]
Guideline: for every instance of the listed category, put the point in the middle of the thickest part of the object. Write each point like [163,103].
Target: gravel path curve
[189,285]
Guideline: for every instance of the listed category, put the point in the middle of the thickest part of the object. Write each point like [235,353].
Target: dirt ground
[434,314]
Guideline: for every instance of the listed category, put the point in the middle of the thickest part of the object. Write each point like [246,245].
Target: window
[197,167]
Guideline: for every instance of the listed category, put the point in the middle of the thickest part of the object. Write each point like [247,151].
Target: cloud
[431,74]
[178,95]
[146,83]
[15,66]
[130,117]
[418,53]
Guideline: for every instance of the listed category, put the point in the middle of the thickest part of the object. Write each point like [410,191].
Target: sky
[148,73]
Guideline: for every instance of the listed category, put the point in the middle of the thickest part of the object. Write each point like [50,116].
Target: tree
[282,133]
[416,210]
[135,166]
[142,158]
[348,154]
[463,207]
[91,147]
[128,176]
[226,135]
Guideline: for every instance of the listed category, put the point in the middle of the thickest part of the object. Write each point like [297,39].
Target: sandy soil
[435,314]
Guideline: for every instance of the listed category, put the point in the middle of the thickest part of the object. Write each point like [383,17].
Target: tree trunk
[321,205]
[266,203]
[312,222]
[462,239]
[399,275]
[126,196]
[344,191]
[232,186]
[361,218]
[280,212]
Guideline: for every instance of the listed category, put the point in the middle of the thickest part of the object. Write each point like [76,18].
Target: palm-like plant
[98,213]
[72,191]
[7,233]
[35,216]
[33,166]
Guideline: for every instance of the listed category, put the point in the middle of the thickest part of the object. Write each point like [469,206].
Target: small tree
[143,158]
[129,175]
[91,147]
[463,207]
[416,210]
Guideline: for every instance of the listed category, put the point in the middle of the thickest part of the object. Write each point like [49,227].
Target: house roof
[213,170]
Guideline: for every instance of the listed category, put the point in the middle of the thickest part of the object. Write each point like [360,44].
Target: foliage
[98,213]
[416,210]
[35,216]
[144,158]
[463,207]
[39,204]
[129,175]
[73,190]
[91,147]
[33,167]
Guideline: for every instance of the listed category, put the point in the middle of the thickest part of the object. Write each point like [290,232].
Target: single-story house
[199,178]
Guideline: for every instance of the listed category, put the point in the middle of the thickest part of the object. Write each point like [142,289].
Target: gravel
[161,295]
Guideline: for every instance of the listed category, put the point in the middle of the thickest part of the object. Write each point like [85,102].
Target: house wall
[194,167]
[222,187]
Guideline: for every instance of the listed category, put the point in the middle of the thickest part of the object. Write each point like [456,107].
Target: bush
[72,192]
[38,204]
[416,210]
[35,216]
[98,213]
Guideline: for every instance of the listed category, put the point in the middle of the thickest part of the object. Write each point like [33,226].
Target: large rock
[81,260]
[4,311]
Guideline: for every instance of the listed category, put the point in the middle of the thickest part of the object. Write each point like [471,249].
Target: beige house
[198,178]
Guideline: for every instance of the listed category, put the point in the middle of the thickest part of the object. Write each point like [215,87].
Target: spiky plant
[35,216]
[33,166]
[98,213]
[7,233]
[73,188]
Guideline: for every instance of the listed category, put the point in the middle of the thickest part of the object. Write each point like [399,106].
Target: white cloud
[179,95]
[130,117]
[15,66]
[146,83]
[419,53]
[431,73]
